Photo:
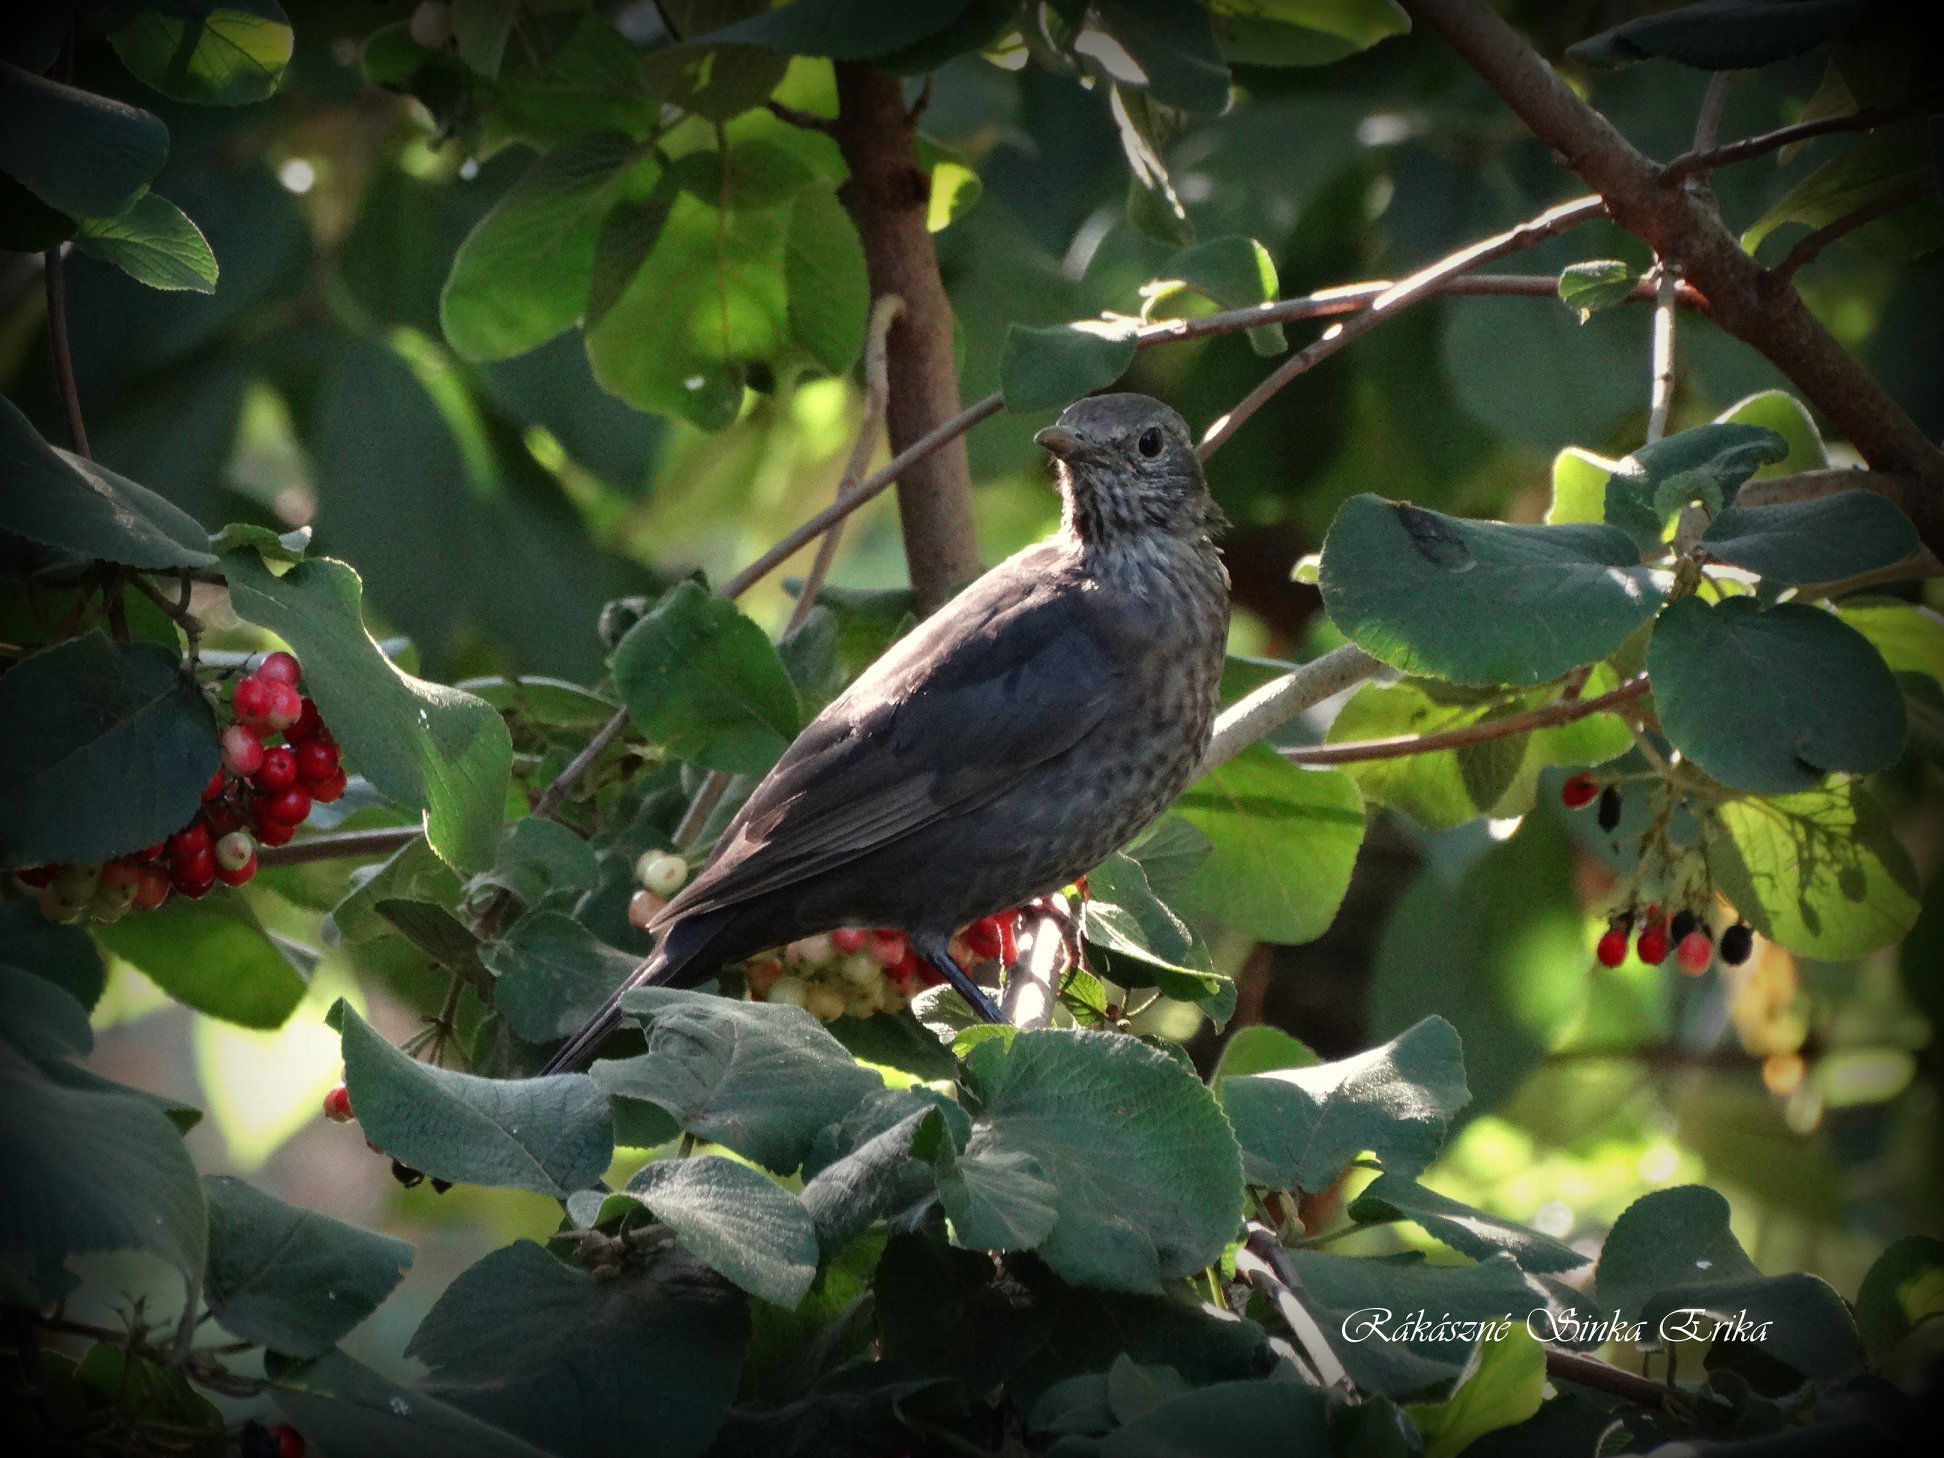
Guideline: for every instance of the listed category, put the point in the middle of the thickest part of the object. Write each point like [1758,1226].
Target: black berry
[1609,808]
[1736,943]
[1683,923]
[405,1174]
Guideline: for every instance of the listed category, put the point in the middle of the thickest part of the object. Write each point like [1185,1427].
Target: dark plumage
[1006,745]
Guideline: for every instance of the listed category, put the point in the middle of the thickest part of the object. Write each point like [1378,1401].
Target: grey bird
[1002,748]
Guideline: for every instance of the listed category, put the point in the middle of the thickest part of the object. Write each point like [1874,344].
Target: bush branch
[1546,716]
[1282,699]
[340,845]
[1689,232]
[1868,119]
[1583,1371]
[1808,248]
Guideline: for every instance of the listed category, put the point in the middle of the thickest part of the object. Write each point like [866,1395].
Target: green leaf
[1599,284]
[1505,1387]
[1456,599]
[347,1408]
[823,269]
[83,154]
[714,82]
[421,744]
[759,1078]
[1788,417]
[413,872]
[38,1019]
[1235,273]
[291,1279]
[208,52]
[104,749]
[553,975]
[735,1220]
[1823,873]
[1229,1419]
[641,1362]
[844,30]
[538,699]
[1044,368]
[1494,777]
[1671,1253]
[1470,1232]
[480,28]
[553,1135]
[540,857]
[1300,1127]
[439,934]
[62,955]
[1260,1048]
[212,955]
[1723,35]
[1139,942]
[269,545]
[1708,463]
[69,502]
[93,1168]
[1303,32]
[1282,843]
[1822,540]
[1867,172]
[523,273]
[1171,44]
[878,1177]
[1772,701]
[1140,1166]
[154,243]
[1904,1288]
[702,680]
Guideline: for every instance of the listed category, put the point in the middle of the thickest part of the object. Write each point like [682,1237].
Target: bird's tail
[691,949]
[578,1051]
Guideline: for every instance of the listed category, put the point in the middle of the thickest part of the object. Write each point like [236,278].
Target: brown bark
[888,199]
[1744,298]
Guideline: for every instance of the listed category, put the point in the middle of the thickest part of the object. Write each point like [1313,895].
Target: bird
[1004,747]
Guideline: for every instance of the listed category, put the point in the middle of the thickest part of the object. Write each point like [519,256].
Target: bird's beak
[1060,441]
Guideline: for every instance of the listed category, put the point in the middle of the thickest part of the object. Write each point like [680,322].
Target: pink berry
[887,948]
[242,751]
[643,907]
[277,772]
[315,760]
[1695,952]
[337,1105]
[280,668]
[151,890]
[283,705]
[848,939]
[241,874]
[250,698]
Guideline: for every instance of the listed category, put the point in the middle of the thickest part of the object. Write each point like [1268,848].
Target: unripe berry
[289,806]
[242,751]
[283,706]
[1736,943]
[1579,791]
[1612,948]
[790,990]
[642,908]
[808,951]
[1695,952]
[315,760]
[76,883]
[761,975]
[280,668]
[860,969]
[824,1002]
[234,851]
[251,698]
[111,900]
[661,873]
[58,908]
[337,1105]
[327,792]
[848,939]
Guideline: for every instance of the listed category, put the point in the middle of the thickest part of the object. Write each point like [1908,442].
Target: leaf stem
[53,272]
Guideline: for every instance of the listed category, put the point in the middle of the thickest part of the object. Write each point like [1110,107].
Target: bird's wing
[1007,677]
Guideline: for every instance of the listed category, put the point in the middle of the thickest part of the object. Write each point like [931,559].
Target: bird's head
[1126,466]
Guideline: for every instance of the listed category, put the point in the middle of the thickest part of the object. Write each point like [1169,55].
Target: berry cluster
[858,972]
[259,794]
[660,875]
[1583,789]
[1686,933]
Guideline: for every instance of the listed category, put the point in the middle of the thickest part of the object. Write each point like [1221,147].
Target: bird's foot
[938,952]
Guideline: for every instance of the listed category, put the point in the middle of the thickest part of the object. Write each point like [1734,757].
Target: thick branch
[889,192]
[1282,699]
[1688,231]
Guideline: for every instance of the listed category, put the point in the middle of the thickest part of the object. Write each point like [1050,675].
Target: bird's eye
[1149,444]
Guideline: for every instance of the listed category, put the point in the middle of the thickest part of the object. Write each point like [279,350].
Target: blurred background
[492,510]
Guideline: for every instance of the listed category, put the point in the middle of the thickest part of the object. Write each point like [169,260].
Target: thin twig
[1546,716]
[1868,119]
[1399,296]
[1583,1371]
[1264,1264]
[796,116]
[340,845]
[1660,395]
[54,274]
[563,783]
[176,612]
[1808,248]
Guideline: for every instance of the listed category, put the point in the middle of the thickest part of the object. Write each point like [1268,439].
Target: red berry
[151,889]
[848,939]
[337,1105]
[290,1442]
[887,948]
[283,707]
[241,874]
[1579,791]
[153,852]
[327,791]
[195,872]
[1612,950]
[278,771]
[214,785]
[242,751]
[273,832]
[192,838]
[315,760]
[280,668]
[308,726]
[983,938]
[1652,945]
[234,851]
[251,698]
[1695,952]
[289,806]
[35,877]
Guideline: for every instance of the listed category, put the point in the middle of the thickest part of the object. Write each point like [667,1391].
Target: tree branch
[1660,399]
[1282,699]
[1866,120]
[1687,231]
[1546,716]
[1808,248]
[889,193]
[1419,285]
